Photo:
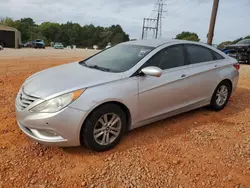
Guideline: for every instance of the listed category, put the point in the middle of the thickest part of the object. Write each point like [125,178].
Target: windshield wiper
[94,66]
[99,68]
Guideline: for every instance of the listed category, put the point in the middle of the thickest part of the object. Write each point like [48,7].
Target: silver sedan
[95,101]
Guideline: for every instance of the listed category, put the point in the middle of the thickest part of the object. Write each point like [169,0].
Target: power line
[160,11]
[154,24]
[186,3]
[198,3]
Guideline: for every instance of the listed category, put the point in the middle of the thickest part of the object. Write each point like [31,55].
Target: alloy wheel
[107,129]
[221,95]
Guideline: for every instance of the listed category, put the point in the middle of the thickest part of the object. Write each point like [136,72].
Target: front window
[168,58]
[119,58]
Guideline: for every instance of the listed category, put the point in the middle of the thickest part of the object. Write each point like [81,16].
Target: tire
[217,104]
[93,122]
[248,61]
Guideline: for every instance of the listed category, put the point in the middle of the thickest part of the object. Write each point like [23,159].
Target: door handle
[184,76]
[216,66]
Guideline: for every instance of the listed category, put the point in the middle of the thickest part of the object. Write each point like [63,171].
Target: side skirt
[170,114]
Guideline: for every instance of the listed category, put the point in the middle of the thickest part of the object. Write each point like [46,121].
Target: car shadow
[176,125]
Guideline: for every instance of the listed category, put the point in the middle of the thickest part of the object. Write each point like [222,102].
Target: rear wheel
[221,96]
[104,127]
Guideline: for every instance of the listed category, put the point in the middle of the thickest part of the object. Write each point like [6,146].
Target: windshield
[119,58]
[244,41]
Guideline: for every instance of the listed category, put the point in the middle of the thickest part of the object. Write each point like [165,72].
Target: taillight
[237,66]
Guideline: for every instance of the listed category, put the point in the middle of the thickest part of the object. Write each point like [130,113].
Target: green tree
[50,31]
[25,26]
[223,44]
[68,33]
[237,40]
[8,22]
[186,35]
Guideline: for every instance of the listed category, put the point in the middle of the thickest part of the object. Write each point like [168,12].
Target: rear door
[201,72]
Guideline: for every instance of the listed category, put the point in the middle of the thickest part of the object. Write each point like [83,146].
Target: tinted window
[119,58]
[246,41]
[217,56]
[167,58]
[198,54]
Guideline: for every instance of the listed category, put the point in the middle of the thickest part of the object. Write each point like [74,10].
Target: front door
[158,96]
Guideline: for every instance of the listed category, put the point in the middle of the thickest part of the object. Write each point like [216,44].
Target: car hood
[66,78]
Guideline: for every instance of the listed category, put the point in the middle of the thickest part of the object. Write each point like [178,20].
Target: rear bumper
[39,45]
[235,80]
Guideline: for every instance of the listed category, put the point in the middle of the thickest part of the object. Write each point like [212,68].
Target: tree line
[83,36]
[185,35]
[223,44]
[68,33]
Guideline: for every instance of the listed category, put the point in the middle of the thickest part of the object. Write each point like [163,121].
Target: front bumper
[60,129]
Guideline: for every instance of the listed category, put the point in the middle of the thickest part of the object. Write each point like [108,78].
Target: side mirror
[152,71]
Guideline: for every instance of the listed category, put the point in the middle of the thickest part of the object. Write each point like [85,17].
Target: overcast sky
[182,15]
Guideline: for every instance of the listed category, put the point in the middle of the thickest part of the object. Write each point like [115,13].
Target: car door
[201,73]
[158,96]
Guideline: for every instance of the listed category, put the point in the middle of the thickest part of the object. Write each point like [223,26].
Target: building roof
[7,28]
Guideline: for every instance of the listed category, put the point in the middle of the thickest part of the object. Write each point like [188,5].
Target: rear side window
[217,56]
[167,58]
[198,54]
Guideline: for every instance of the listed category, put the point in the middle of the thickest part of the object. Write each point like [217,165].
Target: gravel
[201,148]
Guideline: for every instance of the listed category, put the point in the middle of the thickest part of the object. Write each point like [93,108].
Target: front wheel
[221,96]
[104,127]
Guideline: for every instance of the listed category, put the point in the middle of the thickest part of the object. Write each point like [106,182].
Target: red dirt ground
[201,148]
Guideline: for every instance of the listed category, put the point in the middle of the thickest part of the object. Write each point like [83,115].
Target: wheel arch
[121,105]
[224,80]
[229,82]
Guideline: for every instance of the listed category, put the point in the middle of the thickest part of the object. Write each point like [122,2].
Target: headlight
[58,103]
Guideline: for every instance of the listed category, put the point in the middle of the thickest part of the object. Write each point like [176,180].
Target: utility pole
[154,24]
[157,26]
[147,26]
[160,11]
[143,28]
[212,22]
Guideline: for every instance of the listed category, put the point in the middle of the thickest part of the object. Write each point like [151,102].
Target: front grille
[24,100]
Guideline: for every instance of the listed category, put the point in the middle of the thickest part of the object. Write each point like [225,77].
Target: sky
[181,15]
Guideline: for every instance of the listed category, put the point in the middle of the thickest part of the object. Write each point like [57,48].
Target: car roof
[151,42]
[246,40]
[158,42]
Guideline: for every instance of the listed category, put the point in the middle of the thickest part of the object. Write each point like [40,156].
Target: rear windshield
[247,41]
[38,40]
